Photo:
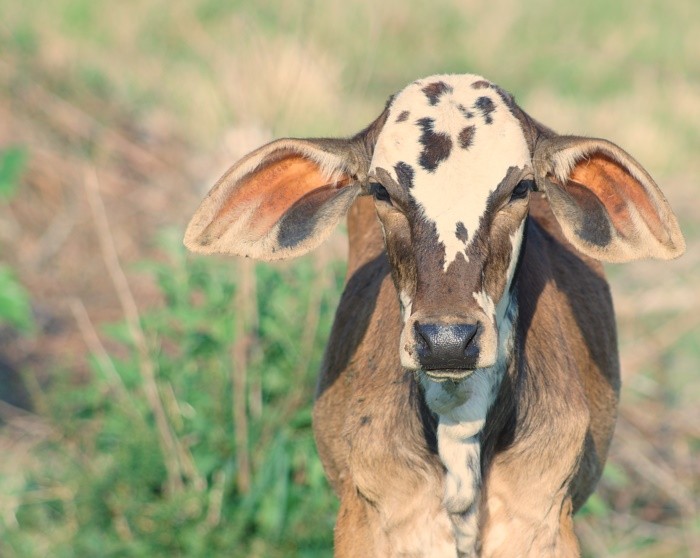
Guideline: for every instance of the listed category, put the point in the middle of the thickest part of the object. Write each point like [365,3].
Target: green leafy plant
[112,466]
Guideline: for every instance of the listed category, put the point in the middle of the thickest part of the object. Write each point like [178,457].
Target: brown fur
[545,452]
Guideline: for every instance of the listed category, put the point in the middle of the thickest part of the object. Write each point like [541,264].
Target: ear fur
[280,201]
[606,203]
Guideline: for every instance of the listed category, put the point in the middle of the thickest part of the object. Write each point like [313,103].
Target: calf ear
[280,201]
[608,206]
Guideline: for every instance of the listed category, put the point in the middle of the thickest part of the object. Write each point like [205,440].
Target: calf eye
[379,192]
[521,190]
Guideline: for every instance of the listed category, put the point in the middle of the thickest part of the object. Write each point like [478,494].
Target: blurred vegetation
[171,394]
[15,309]
[108,482]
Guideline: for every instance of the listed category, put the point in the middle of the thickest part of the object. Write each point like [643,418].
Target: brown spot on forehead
[465,111]
[436,145]
[461,233]
[487,107]
[436,90]
[403,116]
[466,137]
[481,84]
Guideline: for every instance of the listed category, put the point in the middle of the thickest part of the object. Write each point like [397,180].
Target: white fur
[406,304]
[516,241]
[486,304]
[458,189]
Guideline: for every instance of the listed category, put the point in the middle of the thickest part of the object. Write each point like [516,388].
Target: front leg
[355,533]
[518,525]
[527,509]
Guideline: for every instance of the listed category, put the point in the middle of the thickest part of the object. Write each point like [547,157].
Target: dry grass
[159,98]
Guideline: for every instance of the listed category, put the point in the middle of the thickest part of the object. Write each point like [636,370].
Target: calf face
[451,175]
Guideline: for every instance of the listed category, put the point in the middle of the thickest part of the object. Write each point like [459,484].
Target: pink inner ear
[617,189]
[272,190]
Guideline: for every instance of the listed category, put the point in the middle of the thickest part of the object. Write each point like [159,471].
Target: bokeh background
[157,404]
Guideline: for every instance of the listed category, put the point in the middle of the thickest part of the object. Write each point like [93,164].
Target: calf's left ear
[608,206]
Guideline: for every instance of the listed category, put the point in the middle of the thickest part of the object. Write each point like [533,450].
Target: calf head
[450,163]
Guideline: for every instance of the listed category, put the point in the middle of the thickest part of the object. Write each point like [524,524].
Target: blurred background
[153,403]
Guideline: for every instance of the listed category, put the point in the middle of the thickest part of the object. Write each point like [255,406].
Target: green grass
[103,490]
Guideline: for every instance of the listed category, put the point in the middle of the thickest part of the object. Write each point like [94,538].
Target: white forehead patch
[454,139]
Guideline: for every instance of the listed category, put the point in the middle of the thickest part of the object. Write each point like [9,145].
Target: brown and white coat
[469,388]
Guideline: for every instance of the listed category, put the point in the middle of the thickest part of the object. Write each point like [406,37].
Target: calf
[469,388]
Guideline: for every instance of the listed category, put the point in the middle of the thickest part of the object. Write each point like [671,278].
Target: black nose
[444,346]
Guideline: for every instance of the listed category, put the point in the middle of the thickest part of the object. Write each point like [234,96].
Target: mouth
[449,374]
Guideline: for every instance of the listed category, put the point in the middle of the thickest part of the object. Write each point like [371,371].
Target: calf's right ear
[280,201]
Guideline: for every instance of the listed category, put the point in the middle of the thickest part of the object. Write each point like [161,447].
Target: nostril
[466,332]
[425,335]
[470,349]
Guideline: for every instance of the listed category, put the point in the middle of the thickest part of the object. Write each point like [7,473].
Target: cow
[469,387]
